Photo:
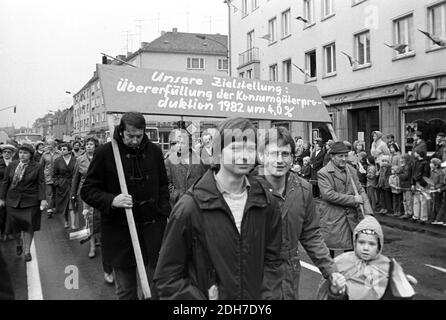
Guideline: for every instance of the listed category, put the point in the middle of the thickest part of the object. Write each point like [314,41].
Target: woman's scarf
[18,174]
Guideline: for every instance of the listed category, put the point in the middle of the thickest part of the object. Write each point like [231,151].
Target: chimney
[175,30]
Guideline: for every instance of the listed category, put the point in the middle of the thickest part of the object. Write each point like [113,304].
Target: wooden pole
[129,213]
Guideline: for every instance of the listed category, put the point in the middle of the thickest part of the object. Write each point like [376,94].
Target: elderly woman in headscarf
[368,274]
[379,147]
[23,193]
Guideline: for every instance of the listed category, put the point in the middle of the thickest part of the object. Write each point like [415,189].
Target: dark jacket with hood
[202,246]
[146,179]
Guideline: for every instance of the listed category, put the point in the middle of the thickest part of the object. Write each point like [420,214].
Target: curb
[435,231]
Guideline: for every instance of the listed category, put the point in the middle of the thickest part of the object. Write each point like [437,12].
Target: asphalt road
[67,273]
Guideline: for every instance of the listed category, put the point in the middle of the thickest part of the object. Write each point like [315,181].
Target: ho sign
[423,90]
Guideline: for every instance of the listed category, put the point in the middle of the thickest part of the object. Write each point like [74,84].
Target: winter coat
[420,169]
[405,176]
[146,179]
[338,210]
[317,163]
[202,246]
[371,176]
[419,146]
[62,178]
[384,174]
[182,176]
[379,148]
[437,177]
[440,153]
[300,223]
[28,192]
[47,162]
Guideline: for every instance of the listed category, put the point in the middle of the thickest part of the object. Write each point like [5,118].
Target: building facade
[368,58]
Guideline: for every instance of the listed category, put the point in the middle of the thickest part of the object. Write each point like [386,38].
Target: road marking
[436,268]
[33,276]
[310,267]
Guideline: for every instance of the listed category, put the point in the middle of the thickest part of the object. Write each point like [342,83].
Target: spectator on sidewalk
[397,197]
[420,171]
[317,163]
[8,151]
[395,154]
[405,176]
[328,146]
[441,216]
[391,140]
[440,152]
[379,147]
[383,185]
[438,178]
[371,182]
[418,144]
[306,169]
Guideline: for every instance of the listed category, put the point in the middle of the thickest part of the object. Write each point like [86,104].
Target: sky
[48,47]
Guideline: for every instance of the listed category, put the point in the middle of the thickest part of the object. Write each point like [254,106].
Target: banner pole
[129,213]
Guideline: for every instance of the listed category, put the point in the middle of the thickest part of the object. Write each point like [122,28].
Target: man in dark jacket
[223,239]
[421,170]
[418,143]
[300,222]
[441,147]
[148,196]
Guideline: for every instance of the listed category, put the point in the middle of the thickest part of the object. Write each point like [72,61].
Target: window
[195,63]
[286,67]
[403,34]
[362,47]
[222,64]
[254,4]
[244,8]
[249,74]
[310,65]
[330,59]
[437,22]
[327,8]
[309,11]
[273,76]
[272,30]
[97,117]
[241,74]
[286,23]
[92,119]
[250,40]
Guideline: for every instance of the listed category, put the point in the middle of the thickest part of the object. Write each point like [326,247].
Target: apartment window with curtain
[437,22]
[273,76]
[310,65]
[272,30]
[287,72]
[286,23]
[309,11]
[330,59]
[249,74]
[327,8]
[403,34]
[222,65]
[362,47]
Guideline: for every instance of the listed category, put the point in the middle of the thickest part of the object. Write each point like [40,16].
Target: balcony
[248,57]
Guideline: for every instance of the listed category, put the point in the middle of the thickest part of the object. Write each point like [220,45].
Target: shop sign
[418,91]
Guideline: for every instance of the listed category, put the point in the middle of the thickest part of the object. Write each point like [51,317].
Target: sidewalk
[409,225]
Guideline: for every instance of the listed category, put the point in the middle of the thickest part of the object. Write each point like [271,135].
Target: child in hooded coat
[366,270]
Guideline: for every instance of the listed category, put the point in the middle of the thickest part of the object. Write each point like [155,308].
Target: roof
[189,43]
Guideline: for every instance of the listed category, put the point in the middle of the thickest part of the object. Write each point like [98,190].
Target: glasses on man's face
[277,154]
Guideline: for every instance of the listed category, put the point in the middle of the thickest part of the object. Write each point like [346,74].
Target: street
[59,259]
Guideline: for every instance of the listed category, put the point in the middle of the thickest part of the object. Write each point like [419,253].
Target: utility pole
[127,35]
[187,18]
[158,18]
[139,23]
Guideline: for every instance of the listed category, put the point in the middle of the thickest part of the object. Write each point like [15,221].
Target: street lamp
[202,37]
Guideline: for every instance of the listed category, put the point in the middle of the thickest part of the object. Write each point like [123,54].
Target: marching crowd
[223,221]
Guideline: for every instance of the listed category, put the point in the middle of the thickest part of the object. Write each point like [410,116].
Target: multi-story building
[178,51]
[368,58]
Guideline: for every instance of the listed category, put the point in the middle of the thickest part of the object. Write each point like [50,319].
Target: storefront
[400,109]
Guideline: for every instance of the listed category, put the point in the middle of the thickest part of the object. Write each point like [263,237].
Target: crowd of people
[408,186]
[224,220]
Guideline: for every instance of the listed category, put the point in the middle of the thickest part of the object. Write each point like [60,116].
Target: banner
[158,92]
